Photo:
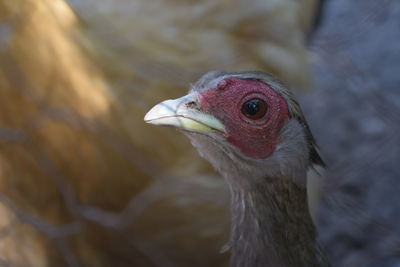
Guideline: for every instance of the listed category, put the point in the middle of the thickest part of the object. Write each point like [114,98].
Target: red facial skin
[254,138]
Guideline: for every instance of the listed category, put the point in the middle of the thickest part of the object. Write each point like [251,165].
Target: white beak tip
[164,109]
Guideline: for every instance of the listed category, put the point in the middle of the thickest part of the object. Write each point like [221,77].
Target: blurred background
[84,182]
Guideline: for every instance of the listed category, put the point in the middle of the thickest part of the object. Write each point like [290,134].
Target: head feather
[211,79]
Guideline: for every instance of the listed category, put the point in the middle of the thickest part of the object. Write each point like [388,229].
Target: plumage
[271,223]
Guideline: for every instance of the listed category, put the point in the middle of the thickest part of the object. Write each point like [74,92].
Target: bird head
[239,120]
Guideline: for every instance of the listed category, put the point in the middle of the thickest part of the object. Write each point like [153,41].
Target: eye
[254,108]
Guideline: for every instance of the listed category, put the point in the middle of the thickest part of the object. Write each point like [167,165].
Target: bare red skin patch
[254,138]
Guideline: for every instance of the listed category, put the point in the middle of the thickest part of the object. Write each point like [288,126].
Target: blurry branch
[94,214]
[56,233]
[11,135]
[6,230]
[44,227]
[74,120]
[91,213]
[68,254]
[154,255]
[136,205]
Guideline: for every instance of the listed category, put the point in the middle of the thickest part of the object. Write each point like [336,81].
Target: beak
[180,113]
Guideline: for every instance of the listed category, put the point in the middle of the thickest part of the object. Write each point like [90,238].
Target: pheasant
[252,130]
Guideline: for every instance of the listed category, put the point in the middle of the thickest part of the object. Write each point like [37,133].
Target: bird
[249,126]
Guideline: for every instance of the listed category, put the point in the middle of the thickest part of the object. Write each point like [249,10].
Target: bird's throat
[271,225]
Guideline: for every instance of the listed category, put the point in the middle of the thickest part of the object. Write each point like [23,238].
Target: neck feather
[271,224]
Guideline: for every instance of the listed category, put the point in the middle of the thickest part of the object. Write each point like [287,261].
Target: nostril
[192,105]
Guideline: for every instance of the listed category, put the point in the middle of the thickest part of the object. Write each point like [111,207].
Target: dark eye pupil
[254,108]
